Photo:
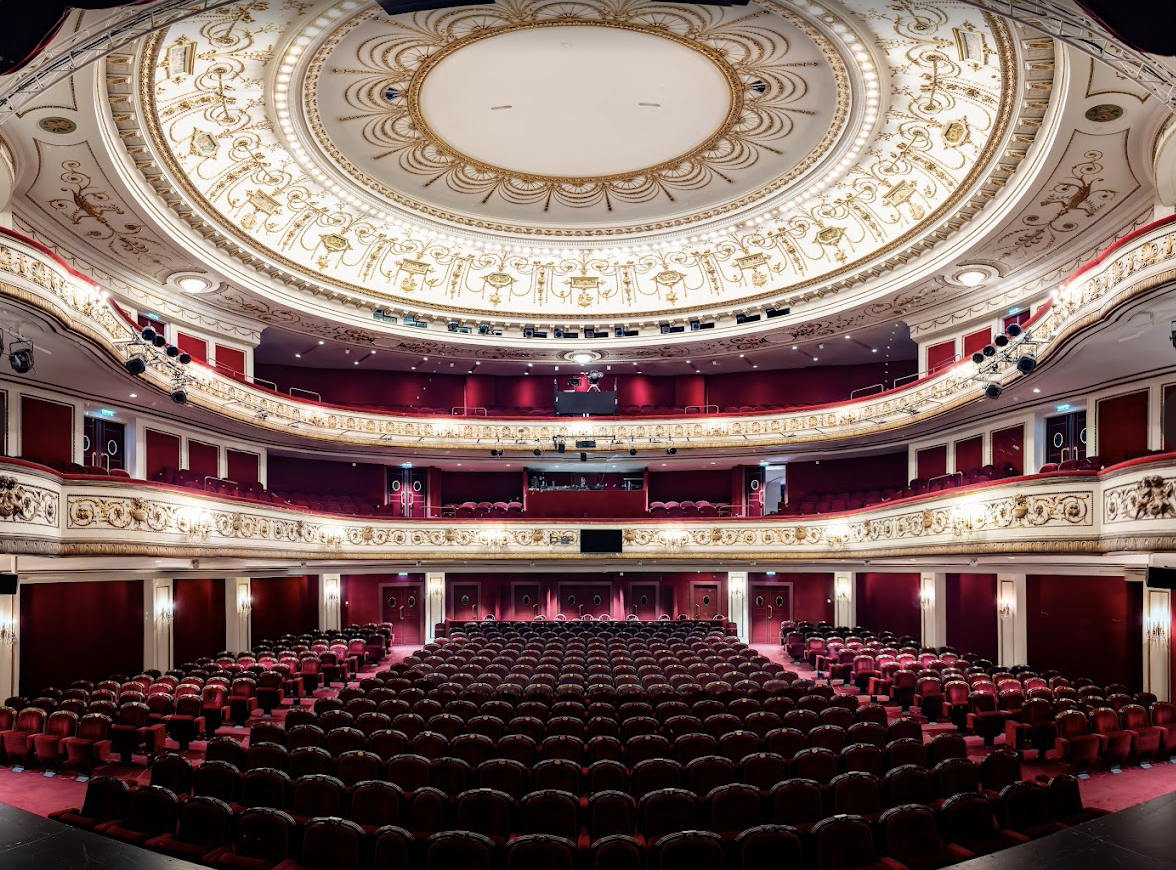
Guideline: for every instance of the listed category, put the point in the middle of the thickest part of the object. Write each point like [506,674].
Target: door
[102,443]
[403,606]
[1065,437]
[525,603]
[643,600]
[771,605]
[466,599]
[704,601]
[407,492]
[578,599]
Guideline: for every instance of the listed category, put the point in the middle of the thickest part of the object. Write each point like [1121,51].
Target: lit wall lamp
[165,612]
[927,599]
[1157,631]
[495,538]
[196,523]
[244,603]
[837,535]
[675,539]
[842,592]
[967,519]
[332,538]
[332,592]
[1004,608]
[7,632]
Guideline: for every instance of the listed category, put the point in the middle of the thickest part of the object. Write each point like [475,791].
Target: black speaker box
[8,584]
[1157,578]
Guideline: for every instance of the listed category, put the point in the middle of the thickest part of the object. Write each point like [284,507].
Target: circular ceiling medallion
[609,102]
[1104,113]
[58,125]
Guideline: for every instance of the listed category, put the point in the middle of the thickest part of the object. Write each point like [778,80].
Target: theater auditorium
[587,434]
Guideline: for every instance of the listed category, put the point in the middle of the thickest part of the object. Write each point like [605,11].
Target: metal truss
[68,55]
[1078,30]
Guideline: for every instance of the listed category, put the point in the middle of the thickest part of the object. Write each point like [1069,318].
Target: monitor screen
[600,541]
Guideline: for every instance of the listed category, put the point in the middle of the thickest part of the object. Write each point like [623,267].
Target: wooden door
[403,605]
[466,601]
[643,600]
[704,601]
[525,603]
[577,599]
[770,607]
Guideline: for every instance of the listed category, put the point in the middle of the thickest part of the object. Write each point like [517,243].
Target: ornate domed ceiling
[580,159]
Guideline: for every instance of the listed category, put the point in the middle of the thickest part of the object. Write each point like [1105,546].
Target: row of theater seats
[623,410]
[1081,722]
[321,825]
[1089,463]
[479,509]
[700,508]
[75,468]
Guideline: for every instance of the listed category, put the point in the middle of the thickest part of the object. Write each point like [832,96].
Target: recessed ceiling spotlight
[972,277]
[194,284]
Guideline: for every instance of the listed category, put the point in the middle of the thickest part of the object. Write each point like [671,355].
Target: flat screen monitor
[601,541]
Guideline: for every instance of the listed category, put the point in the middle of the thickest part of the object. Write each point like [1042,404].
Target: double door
[403,605]
[770,607]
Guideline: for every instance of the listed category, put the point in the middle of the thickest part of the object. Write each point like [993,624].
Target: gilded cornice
[1048,514]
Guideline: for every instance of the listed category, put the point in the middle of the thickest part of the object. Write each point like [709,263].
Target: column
[1155,417]
[737,602]
[1157,640]
[434,603]
[13,445]
[79,434]
[844,598]
[933,606]
[238,614]
[329,602]
[158,614]
[1012,635]
[9,639]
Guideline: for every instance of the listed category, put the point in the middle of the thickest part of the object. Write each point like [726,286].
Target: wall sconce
[7,632]
[495,538]
[842,592]
[1004,608]
[675,539]
[1157,625]
[332,538]
[332,593]
[165,612]
[196,523]
[967,519]
[927,599]
[837,535]
[244,603]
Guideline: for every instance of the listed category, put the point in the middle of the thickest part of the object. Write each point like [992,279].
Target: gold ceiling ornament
[910,187]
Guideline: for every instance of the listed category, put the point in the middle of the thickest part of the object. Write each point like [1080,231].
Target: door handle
[769,611]
[402,611]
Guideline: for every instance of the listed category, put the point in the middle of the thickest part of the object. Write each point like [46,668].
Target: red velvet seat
[449,849]
[665,811]
[151,812]
[847,843]
[49,746]
[18,740]
[1025,807]
[732,808]
[392,849]
[551,812]
[798,803]
[1065,800]
[204,825]
[910,835]
[328,844]
[107,800]
[540,852]
[261,841]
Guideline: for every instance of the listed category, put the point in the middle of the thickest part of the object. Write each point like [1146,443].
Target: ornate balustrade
[1137,264]
[1127,507]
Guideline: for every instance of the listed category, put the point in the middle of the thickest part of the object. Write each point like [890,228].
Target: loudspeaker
[8,584]
[1157,578]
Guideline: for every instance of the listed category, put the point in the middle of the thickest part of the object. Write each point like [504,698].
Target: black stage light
[136,365]
[148,333]
[537,452]
[989,350]
[1013,330]
[583,457]
[20,357]
[978,358]
[632,451]
[1001,340]
[1026,364]
[560,446]
[172,351]
[670,451]
[495,452]
[179,395]
[185,358]
[159,340]
[993,391]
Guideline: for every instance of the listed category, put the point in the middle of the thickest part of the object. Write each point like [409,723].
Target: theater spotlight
[583,457]
[537,452]
[1013,330]
[978,358]
[670,451]
[136,364]
[20,357]
[1026,364]
[993,391]
[1001,340]
[179,395]
[989,350]
[495,452]
[172,351]
[148,333]
[159,340]
[185,358]
[632,451]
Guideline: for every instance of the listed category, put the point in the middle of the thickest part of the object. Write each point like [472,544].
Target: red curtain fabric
[242,466]
[475,486]
[1122,427]
[202,458]
[163,451]
[969,454]
[79,631]
[46,429]
[971,613]
[1170,430]
[231,360]
[932,462]
[976,340]
[198,628]
[284,605]
[889,602]
[713,486]
[360,479]
[939,355]
[881,471]
[197,347]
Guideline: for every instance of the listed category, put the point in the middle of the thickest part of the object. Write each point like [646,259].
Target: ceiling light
[582,358]
[194,284]
[972,277]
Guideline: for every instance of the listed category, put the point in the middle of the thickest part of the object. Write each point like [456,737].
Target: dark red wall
[975,341]
[231,359]
[1008,447]
[931,462]
[360,480]
[202,458]
[881,471]
[969,454]
[198,628]
[374,387]
[812,594]
[46,429]
[163,451]
[939,355]
[1122,427]
[1086,627]
[284,605]
[79,631]
[971,613]
[360,595]
[804,386]
[889,602]
[713,486]
[458,487]
[242,466]
[197,348]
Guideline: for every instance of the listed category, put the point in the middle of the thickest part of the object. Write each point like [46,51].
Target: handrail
[272,385]
[912,377]
[466,411]
[861,391]
[213,477]
[308,393]
[702,409]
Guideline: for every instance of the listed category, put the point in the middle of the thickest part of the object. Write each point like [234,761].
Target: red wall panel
[969,454]
[976,340]
[79,631]
[804,386]
[458,487]
[202,458]
[284,605]
[889,602]
[196,347]
[689,390]
[163,451]
[198,628]
[1007,448]
[713,486]
[359,595]
[931,462]
[971,613]
[812,594]
[1122,427]
[939,355]
[419,389]
[242,466]
[361,480]
[231,360]
[46,429]
[881,471]
[1086,627]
